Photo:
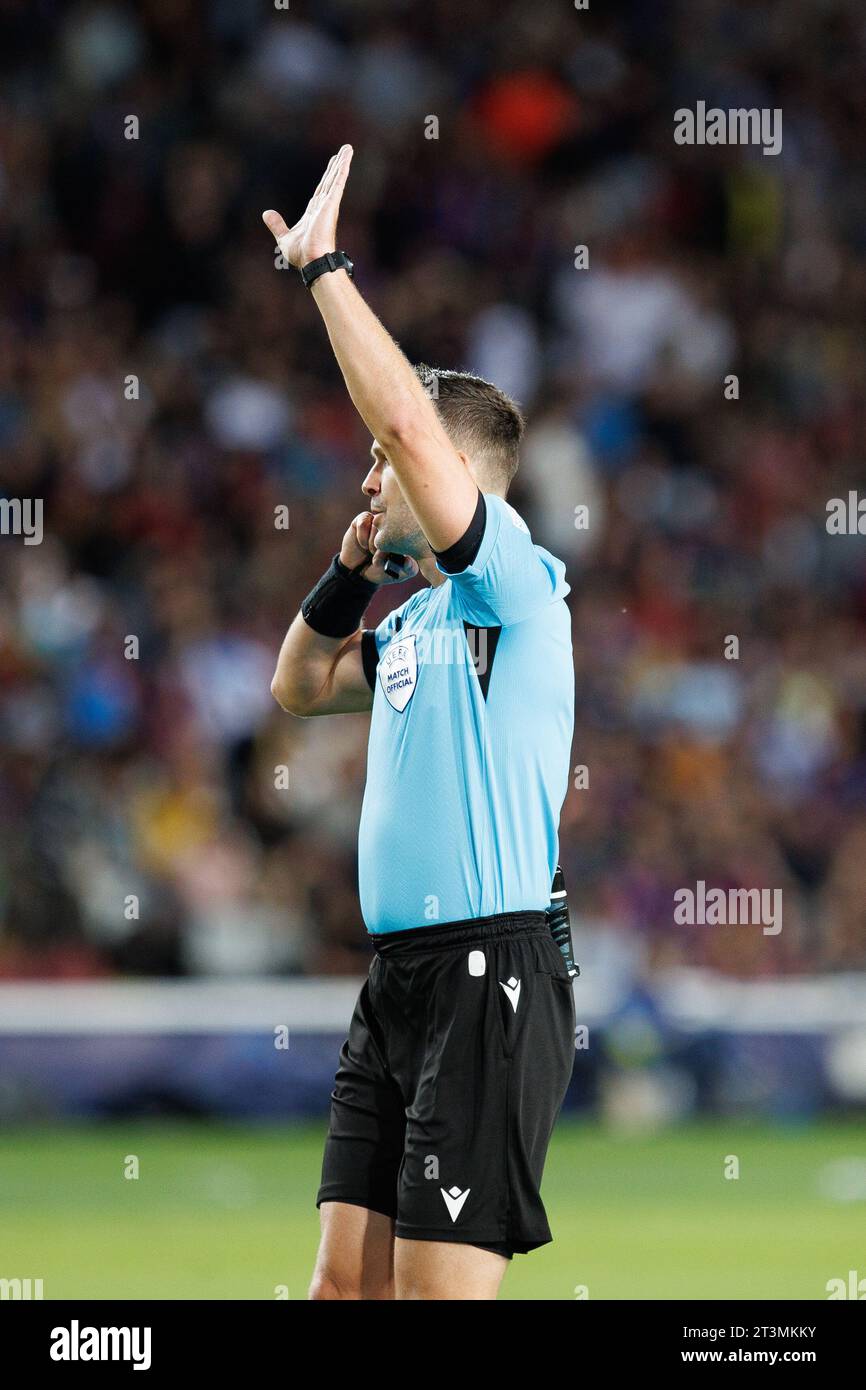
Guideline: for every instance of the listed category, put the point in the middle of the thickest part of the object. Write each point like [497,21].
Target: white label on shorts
[477,963]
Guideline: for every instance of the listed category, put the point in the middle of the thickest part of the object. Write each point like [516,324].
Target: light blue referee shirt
[470,739]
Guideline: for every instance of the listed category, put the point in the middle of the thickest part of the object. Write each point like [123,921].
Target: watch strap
[335,260]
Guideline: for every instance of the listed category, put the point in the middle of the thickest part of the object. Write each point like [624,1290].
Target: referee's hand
[316,232]
[359,545]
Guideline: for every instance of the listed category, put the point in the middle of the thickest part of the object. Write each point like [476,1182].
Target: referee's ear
[467,464]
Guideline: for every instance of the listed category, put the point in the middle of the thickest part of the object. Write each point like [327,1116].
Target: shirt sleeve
[375,639]
[509,579]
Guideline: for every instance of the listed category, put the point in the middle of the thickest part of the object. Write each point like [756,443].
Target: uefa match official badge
[398,671]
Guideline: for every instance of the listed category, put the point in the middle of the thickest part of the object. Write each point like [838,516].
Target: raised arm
[434,478]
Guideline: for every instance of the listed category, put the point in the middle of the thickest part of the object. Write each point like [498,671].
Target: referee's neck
[427,566]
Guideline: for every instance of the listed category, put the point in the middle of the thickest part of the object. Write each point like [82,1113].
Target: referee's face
[394,525]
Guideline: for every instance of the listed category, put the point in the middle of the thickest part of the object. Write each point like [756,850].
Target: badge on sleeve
[398,671]
[517,519]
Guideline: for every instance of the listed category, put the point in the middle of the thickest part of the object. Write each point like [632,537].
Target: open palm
[315,234]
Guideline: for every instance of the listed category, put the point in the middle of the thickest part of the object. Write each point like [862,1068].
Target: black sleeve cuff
[463,552]
[369,656]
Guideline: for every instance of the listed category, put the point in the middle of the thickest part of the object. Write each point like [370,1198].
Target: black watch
[335,260]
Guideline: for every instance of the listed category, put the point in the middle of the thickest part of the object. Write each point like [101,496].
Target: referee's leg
[439,1270]
[357,1198]
[359,1259]
[356,1254]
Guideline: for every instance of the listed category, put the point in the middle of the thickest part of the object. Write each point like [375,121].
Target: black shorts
[458,1057]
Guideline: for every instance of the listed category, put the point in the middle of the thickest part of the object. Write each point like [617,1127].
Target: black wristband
[335,607]
[335,260]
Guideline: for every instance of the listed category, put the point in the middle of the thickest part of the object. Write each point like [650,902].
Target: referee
[461,1045]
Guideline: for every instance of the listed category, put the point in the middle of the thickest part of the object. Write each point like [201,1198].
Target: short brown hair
[479,417]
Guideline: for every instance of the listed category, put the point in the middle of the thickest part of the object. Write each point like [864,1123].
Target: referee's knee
[328,1285]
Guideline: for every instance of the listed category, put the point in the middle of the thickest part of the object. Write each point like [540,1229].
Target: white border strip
[177,1006]
[690,999]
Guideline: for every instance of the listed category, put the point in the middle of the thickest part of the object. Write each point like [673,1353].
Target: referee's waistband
[446,935]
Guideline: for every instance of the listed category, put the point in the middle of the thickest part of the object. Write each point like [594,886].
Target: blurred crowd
[695,397]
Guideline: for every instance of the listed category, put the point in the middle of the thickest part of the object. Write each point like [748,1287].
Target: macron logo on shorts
[512,989]
[454,1200]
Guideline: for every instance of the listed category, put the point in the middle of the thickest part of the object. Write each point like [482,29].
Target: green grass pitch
[227,1212]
